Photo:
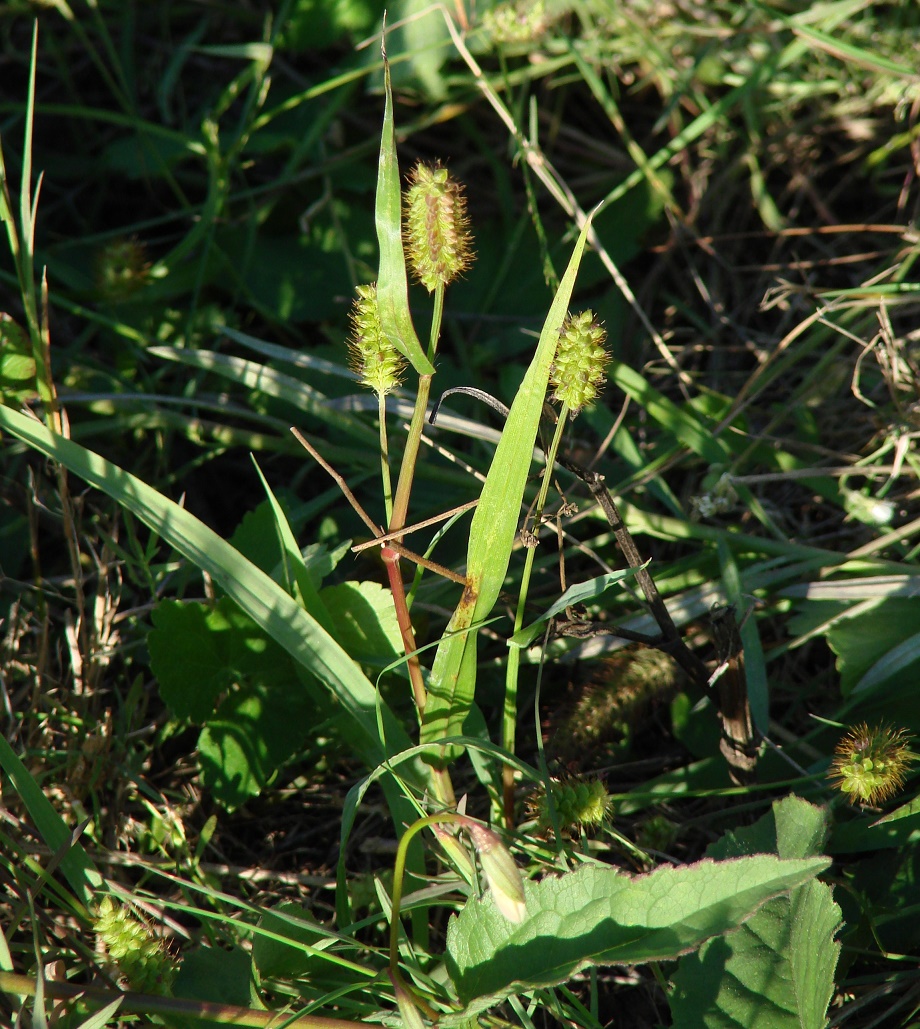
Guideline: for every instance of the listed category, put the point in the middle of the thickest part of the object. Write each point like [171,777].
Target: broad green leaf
[777,970]
[255,731]
[270,607]
[493,529]
[215,974]
[392,283]
[267,712]
[876,643]
[17,362]
[296,925]
[600,915]
[197,653]
[364,621]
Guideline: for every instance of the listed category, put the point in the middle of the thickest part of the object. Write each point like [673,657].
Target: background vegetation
[206,208]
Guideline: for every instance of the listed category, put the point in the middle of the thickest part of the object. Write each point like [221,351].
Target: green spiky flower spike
[141,958]
[379,365]
[577,374]
[371,355]
[870,764]
[437,230]
[581,804]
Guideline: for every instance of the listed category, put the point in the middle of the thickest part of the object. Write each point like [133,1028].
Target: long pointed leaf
[255,592]
[494,526]
[392,283]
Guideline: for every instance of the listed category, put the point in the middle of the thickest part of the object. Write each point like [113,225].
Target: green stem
[397,520]
[509,711]
[173,1009]
[385,457]
[399,871]
[413,442]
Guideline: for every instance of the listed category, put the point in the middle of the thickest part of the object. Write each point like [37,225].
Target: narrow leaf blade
[494,526]
[392,283]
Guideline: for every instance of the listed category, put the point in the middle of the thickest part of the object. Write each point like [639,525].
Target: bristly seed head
[578,367]
[437,228]
[870,764]
[371,355]
[580,802]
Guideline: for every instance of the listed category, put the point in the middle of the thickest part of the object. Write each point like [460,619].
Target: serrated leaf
[197,653]
[792,828]
[364,621]
[254,732]
[604,916]
[777,970]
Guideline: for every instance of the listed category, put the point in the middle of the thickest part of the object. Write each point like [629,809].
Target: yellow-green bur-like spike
[578,367]
[371,354]
[437,235]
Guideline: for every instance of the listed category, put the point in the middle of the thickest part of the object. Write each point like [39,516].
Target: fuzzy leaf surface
[777,970]
[598,915]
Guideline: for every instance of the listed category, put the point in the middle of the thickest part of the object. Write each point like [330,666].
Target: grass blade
[255,592]
[494,526]
[392,283]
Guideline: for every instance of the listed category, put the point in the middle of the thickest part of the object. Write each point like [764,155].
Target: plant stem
[399,871]
[385,457]
[147,1004]
[509,710]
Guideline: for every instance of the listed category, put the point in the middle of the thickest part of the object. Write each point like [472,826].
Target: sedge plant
[756,877]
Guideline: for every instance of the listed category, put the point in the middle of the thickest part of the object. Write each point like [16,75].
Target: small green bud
[580,804]
[455,851]
[437,233]
[870,764]
[501,872]
[578,367]
[371,355]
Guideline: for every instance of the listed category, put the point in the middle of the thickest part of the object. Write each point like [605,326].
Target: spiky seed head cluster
[437,227]
[140,957]
[578,368]
[581,803]
[371,355]
[870,763]
[516,22]
[122,267]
